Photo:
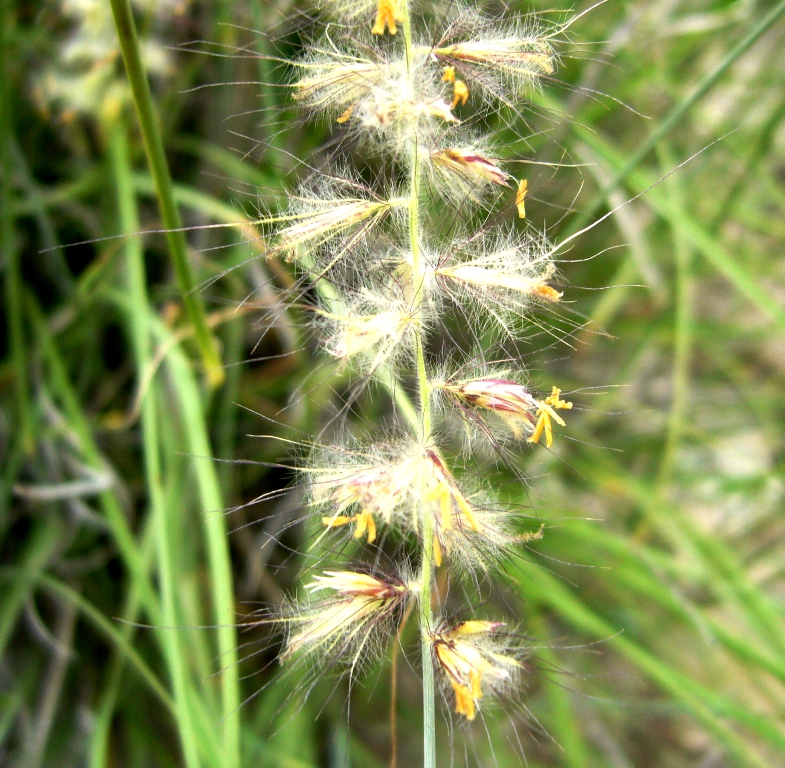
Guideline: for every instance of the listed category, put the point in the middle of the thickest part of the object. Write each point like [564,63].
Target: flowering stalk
[380,291]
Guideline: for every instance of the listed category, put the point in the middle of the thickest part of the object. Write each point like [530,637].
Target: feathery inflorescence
[384,275]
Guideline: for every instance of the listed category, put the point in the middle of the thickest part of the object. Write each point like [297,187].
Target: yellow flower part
[345,115]
[545,412]
[364,523]
[460,94]
[448,75]
[468,654]
[460,89]
[388,12]
[520,198]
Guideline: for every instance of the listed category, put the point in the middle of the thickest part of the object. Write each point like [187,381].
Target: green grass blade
[42,543]
[77,422]
[214,522]
[113,635]
[151,133]
[9,253]
[139,312]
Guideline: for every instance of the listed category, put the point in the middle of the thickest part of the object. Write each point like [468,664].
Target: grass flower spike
[381,292]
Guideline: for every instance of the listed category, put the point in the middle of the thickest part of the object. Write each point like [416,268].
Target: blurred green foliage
[654,603]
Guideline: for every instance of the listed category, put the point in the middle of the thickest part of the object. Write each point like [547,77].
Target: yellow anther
[446,509]
[346,115]
[437,551]
[387,14]
[546,292]
[520,198]
[546,412]
[556,402]
[366,525]
[338,521]
[474,678]
[362,525]
[460,93]
[464,703]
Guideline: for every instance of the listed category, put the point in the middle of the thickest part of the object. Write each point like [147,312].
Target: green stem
[426,622]
[156,157]
[426,565]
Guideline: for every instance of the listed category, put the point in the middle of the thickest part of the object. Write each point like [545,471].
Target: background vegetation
[655,599]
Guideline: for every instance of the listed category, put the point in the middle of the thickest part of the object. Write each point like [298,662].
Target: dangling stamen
[545,412]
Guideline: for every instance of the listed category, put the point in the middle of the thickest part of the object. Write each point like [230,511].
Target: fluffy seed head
[335,82]
[373,329]
[500,63]
[504,276]
[378,98]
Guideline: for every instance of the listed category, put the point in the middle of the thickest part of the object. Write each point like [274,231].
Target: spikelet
[502,277]
[498,62]
[465,173]
[378,98]
[333,83]
[327,219]
[374,330]
[348,621]
[489,399]
[397,489]
[475,660]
